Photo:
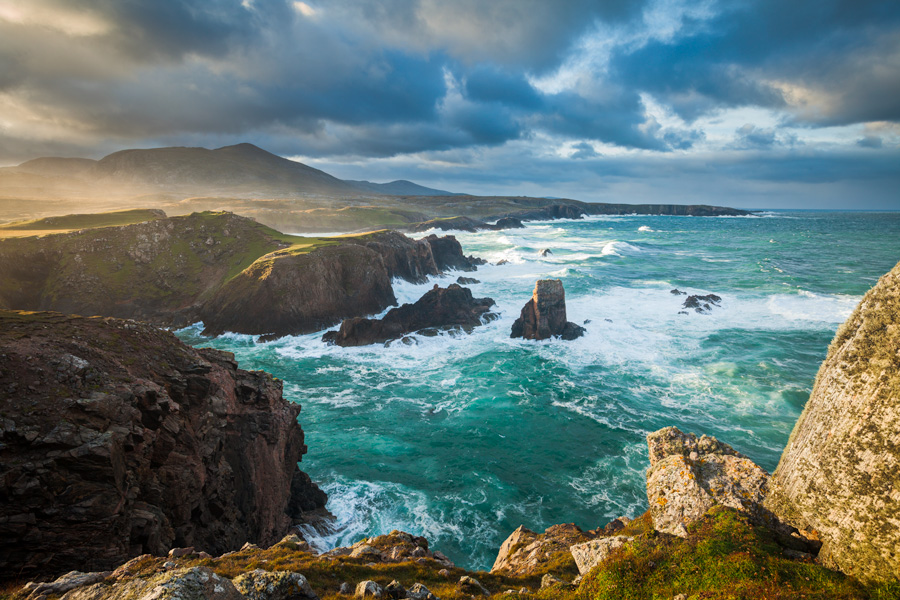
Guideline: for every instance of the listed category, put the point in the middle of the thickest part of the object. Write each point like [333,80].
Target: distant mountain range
[242,169]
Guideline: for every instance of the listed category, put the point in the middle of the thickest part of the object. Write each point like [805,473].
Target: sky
[746,103]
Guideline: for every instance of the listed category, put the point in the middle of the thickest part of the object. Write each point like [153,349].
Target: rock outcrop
[525,552]
[840,472]
[590,554]
[701,304]
[117,439]
[438,308]
[448,254]
[690,475]
[544,316]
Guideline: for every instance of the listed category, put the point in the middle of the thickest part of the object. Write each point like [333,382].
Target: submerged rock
[838,474]
[689,475]
[439,307]
[509,223]
[544,316]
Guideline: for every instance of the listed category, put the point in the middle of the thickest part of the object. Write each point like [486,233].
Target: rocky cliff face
[840,472]
[116,439]
[228,271]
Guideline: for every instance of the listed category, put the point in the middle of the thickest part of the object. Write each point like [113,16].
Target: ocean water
[464,437]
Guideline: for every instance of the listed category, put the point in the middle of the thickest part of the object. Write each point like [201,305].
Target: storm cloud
[595,90]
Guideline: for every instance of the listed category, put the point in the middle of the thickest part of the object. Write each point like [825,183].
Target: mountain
[401,187]
[241,168]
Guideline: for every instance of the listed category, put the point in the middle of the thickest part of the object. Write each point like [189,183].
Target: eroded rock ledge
[116,439]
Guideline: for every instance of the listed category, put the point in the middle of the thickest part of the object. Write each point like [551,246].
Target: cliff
[227,270]
[116,439]
[840,472]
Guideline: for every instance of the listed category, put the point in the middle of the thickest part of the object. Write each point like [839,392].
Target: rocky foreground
[116,439]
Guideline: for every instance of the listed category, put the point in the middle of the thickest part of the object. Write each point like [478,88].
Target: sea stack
[840,472]
[544,316]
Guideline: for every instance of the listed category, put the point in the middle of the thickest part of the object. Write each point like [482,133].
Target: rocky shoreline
[160,471]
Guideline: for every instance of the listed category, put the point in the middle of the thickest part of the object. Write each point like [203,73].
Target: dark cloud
[584,150]
[870,141]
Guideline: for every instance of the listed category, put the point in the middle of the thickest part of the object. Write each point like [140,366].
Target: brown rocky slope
[116,439]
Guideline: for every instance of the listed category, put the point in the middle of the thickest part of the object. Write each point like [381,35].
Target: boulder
[439,307]
[838,474]
[690,475]
[419,592]
[274,585]
[470,585]
[466,280]
[544,316]
[395,590]
[525,552]
[197,583]
[590,554]
[63,584]
[368,589]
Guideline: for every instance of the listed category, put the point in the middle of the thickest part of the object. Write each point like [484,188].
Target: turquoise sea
[462,438]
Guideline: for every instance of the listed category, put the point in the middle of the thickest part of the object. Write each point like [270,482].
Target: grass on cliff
[724,557]
[68,223]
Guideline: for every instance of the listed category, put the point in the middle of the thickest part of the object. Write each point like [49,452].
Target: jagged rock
[153,445]
[197,583]
[838,474]
[443,559]
[466,280]
[419,592]
[544,315]
[690,475]
[546,252]
[701,304]
[366,551]
[524,552]
[501,262]
[63,584]
[448,254]
[273,585]
[590,554]
[368,589]
[439,307]
[470,585]
[395,590]
[509,223]
[677,292]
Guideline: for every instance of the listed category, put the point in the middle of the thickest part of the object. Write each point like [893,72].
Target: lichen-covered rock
[590,554]
[368,589]
[141,445]
[197,583]
[273,585]
[418,591]
[525,552]
[63,584]
[840,472]
[544,316]
[690,475]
